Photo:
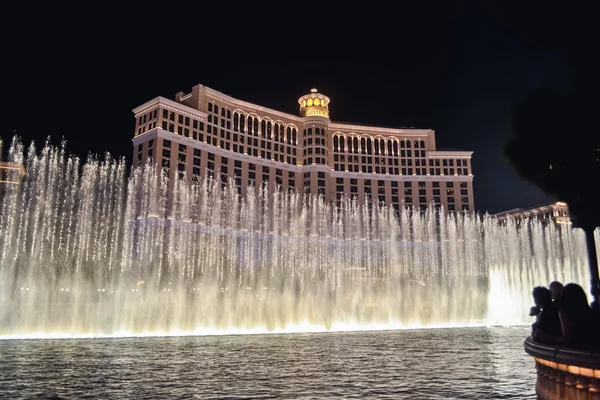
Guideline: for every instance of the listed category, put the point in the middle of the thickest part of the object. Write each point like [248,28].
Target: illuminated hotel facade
[208,132]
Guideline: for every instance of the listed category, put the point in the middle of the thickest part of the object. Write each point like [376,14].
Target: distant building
[10,173]
[557,213]
[208,132]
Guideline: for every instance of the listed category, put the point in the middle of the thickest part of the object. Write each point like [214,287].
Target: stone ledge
[565,359]
[564,373]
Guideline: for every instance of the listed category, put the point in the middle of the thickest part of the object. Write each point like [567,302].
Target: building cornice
[244,104]
[449,154]
[169,104]
[350,128]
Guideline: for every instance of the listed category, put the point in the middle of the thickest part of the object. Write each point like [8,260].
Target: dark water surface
[468,363]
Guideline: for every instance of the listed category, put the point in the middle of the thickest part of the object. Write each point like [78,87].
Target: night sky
[457,69]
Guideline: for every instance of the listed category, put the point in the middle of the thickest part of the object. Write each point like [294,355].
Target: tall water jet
[87,249]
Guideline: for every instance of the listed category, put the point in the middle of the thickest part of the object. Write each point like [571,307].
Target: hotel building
[557,212]
[208,132]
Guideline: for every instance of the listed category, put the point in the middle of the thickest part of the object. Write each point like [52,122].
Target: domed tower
[314,110]
[314,104]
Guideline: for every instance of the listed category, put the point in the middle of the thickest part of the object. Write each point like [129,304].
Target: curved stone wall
[565,373]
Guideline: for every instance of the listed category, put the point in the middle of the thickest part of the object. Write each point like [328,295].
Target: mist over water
[96,249]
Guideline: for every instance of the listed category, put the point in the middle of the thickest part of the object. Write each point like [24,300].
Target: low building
[557,212]
[11,173]
[208,132]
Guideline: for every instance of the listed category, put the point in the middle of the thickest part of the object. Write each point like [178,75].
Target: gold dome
[314,104]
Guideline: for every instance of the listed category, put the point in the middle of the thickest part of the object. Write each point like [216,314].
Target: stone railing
[565,373]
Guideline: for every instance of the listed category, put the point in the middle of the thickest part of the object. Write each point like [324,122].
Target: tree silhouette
[554,144]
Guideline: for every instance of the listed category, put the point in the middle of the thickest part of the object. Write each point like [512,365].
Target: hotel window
[252,175]
[450,184]
[222,112]
[450,192]
[196,161]
[462,184]
[465,207]
[172,116]
[451,207]
[165,114]
[216,109]
[408,199]
[464,192]
[408,192]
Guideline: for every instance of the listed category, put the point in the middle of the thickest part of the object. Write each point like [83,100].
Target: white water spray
[88,251]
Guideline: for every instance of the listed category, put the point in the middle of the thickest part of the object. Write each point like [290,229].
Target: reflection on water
[468,363]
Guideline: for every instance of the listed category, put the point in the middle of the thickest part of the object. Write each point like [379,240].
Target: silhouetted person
[547,326]
[580,325]
[536,310]
[556,289]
